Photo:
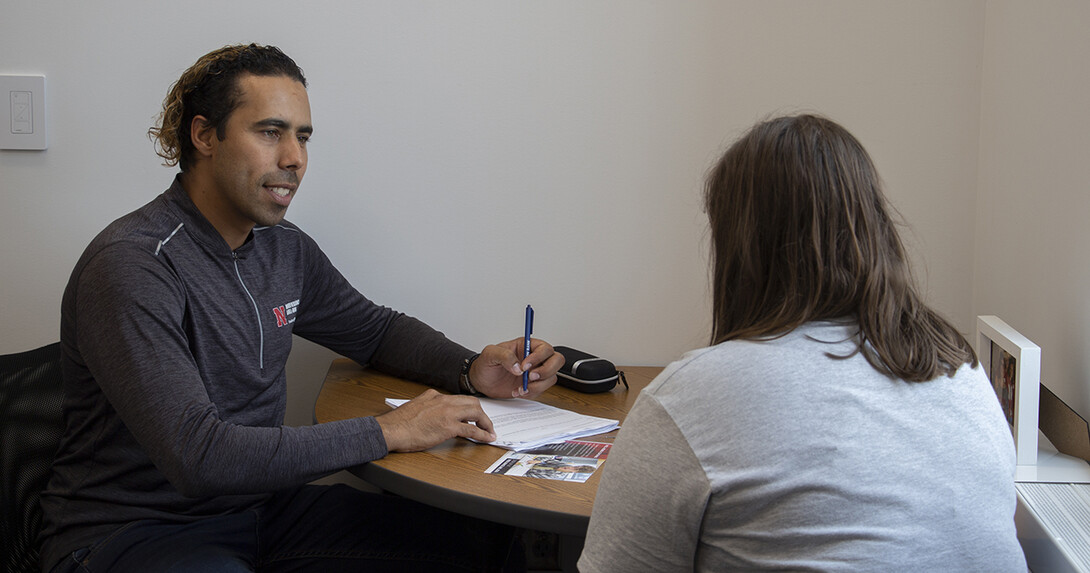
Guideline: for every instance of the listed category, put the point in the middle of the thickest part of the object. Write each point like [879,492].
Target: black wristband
[464,385]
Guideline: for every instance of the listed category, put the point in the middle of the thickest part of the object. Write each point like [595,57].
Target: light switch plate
[22,112]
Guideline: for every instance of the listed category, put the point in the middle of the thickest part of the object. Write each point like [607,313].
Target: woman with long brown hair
[836,422]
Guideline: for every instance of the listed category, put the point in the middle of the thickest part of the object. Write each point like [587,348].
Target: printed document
[525,424]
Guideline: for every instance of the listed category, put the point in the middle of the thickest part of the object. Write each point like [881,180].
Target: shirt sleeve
[415,351]
[650,503]
[342,319]
[338,316]
[131,335]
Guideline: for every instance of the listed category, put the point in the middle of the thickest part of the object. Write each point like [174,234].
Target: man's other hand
[432,418]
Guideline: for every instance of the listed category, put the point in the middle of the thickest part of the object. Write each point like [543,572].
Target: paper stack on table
[524,424]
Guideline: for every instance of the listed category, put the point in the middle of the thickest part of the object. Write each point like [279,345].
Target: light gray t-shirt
[772,455]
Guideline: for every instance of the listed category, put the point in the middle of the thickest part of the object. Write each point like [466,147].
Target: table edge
[472,505]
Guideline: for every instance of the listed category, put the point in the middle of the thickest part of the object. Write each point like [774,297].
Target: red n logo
[281,316]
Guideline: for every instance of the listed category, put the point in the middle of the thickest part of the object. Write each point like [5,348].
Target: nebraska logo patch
[285,314]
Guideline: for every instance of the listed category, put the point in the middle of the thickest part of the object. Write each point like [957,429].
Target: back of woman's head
[801,231]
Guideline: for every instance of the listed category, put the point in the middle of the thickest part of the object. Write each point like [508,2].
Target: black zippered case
[587,373]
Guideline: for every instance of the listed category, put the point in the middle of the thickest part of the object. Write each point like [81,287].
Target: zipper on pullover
[257,313]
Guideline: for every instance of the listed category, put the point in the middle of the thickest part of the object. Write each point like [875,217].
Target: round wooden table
[451,475]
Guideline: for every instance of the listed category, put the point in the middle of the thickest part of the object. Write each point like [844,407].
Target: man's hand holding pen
[497,373]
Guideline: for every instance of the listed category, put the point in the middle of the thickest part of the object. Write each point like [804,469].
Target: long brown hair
[801,231]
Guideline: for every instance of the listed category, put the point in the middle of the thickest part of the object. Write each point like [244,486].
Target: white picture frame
[1013,364]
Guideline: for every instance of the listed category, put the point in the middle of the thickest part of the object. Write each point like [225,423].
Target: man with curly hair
[176,327]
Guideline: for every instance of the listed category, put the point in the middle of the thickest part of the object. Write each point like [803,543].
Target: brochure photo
[566,461]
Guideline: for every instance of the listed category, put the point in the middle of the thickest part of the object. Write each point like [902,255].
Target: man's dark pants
[313,528]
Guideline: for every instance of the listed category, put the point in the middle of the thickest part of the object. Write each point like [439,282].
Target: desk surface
[451,474]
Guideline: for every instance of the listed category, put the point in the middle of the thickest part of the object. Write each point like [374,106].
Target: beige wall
[1033,227]
[472,157]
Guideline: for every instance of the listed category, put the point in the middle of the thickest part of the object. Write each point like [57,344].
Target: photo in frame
[1013,364]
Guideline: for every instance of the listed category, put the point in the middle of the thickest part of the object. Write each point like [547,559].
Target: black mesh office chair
[30,429]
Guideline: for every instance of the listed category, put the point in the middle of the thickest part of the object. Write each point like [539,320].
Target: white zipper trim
[257,312]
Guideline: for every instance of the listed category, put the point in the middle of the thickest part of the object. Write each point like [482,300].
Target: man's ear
[202,135]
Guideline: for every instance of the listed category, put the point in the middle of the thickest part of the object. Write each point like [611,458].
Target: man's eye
[271,133]
[304,139]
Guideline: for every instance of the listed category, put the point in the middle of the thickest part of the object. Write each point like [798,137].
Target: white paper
[524,424]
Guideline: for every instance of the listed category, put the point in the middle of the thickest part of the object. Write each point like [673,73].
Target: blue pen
[526,344]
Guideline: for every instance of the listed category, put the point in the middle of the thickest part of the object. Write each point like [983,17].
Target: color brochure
[523,425]
[567,461]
